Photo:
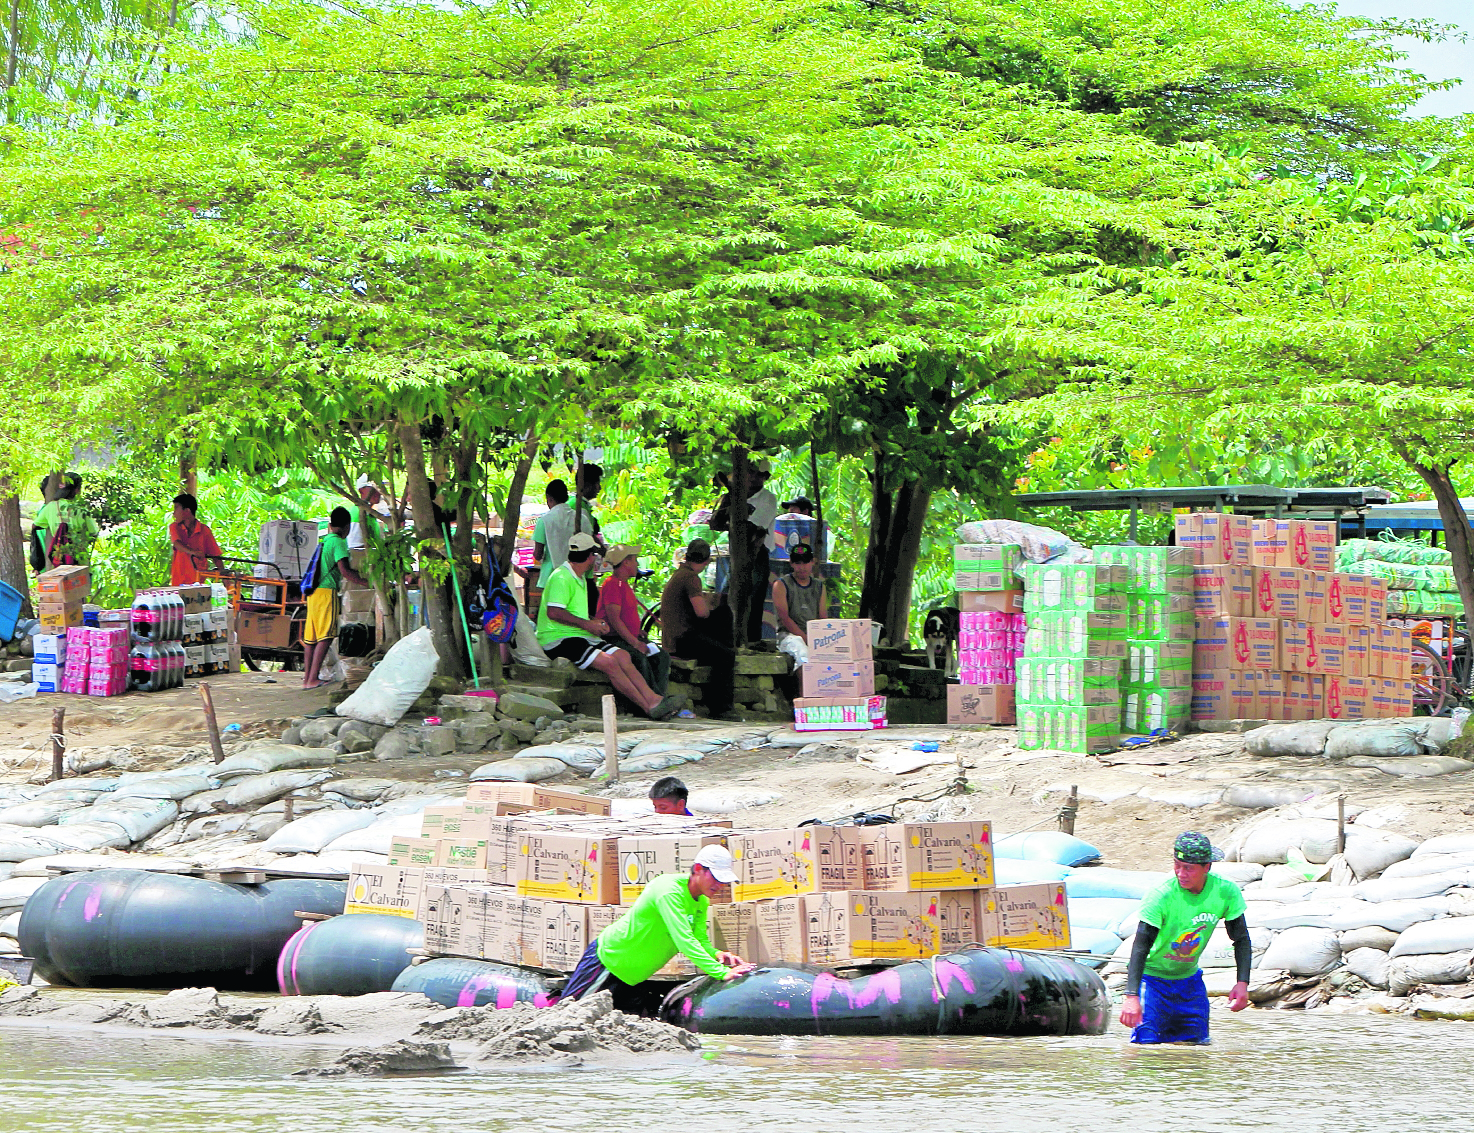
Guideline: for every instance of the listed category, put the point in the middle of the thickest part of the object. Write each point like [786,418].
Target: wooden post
[210,723]
[58,743]
[1067,812]
[288,808]
[1340,824]
[611,741]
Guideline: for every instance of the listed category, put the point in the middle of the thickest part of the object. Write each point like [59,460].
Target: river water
[1294,1071]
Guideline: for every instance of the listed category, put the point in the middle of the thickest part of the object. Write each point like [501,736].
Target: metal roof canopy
[1415,515]
[1246,499]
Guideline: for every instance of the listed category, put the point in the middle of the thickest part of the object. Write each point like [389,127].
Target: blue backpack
[500,619]
[309,576]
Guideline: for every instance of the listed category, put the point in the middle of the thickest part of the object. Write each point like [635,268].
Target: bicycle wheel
[1434,687]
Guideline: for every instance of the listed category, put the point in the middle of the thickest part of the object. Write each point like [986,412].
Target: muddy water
[1266,1070]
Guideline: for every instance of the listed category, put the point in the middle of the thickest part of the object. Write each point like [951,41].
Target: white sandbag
[15,890]
[581,757]
[395,682]
[1170,794]
[1451,934]
[414,804]
[174,787]
[1417,865]
[309,834]
[1302,738]
[1046,846]
[257,790]
[1015,871]
[1372,936]
[272,755]
[375,839]
[1282,876]
[1370,854]
[360,790]
[644,764]
[1095,881]
[1269,842]
[1258,796]
[1376,738]
[1300,891]
[205,802]
[84,837]
[1370,964]
[211,825]
[1303,951]
[1240,873]
[1101,912]
[140,817]
[1295,914]
[92,786]
[1447,844]
[42,812]
[712,800]
[1097,941]
[335,861]
[519,770]
[1394,916]
[1405,972]
[1219,950]
[1411,888]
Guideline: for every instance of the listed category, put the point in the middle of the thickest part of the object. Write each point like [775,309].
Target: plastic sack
[1371,936]
[258,790]
[1351,551]
[1015,871]
[13,692]
[21,843]
[1411,888]
[140,818]
[641,764]
[15,890]
[1404,972]
[713,800]
[1409,576]
[519,770]
[1371,854]
[271,755]
[1425,603]
[42,812]
[1370,964]
[88,836]
[1451,934]
[1416,866]
[1446,844]
[164,786]
[1301,738]
[1381,738]
[1270,842]
[1039,544]
[1303,952]
[395,682]
[584,757]
[309,834]
[1099,882]
[1257,796]
[1101,912]
[1046,846]
[1390,916]
[375,839]
[1240,873]
[1097,941]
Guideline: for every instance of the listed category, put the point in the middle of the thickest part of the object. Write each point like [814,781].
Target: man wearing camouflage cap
[1166,1001]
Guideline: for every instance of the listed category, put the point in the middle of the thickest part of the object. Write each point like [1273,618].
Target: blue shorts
[1173,1011]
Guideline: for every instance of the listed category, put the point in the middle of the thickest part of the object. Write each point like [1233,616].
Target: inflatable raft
[978,991]
[355,954]
[132,928]
[455,982]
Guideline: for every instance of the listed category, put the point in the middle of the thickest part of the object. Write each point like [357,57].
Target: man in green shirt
[668,917]
[322,604]
[67,529]
[564,629]
[1166,1001]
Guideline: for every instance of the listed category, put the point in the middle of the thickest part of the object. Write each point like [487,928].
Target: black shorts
[580,650]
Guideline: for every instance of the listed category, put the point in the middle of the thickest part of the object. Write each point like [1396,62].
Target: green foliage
[116,495]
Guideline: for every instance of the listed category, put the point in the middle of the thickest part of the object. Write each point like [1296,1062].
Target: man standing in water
[1166,1001]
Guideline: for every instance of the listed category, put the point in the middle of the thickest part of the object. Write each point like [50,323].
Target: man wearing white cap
[668,917]
[369,498]
[564,629]
[618,607]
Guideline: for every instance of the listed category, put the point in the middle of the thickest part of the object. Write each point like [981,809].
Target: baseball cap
[619,552]
[800,553]
[1195,849]
[364,481]
[582,541]
[718,859]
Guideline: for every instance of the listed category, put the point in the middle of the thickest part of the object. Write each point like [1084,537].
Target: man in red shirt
[193,542]
[618,607]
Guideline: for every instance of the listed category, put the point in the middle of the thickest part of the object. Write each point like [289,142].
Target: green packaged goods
[1409,576]
[1070,727]
[1161,617]
[1083,633]
[1053,599]
[1147,660]
[1146,710]
[1066,680]
[986,557]
[1425,603]
[1353,551]
[1052,586]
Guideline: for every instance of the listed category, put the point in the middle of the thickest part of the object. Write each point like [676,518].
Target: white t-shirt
[764,507]
[557,524]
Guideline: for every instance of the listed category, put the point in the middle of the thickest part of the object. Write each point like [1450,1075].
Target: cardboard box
[1144,710]
[1025,916]
[1397,644]
[1161,617]
[536,797]
[840,639]
[1277,593]
[787,863]
[47,675]
[839,713]
[1354,590]
[762,932]
[1304,543]
[965,581]
[1376,600]
[643,859]
[561,932]
[58,616]
[64,584]
[254,629]
[1317,687]
[980,704]
[839,679]
[1075,728]
[859,925]
[733,928]
[407,851]
[957,919]
[1219,538]
[1223,591]
[461,852]
[1236,643]
[446,914]
[1313,588]
[1347,698]
[1269,696]
[987,556]
[1325,648]
[49,648]
[1224,694]
[288,544]
[392,890]
[990,601]
[1358,662]
[1062,586]
[566,867]
[1296,705]
[1335,608]
[1293,646]
[918,856]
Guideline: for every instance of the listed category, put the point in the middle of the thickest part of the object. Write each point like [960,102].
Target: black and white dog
[940,632]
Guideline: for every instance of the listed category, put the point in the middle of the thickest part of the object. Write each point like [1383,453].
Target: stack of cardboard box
[1281,636]
[62,592]
[839,679]
[534,887]
[990,632]
[287,544]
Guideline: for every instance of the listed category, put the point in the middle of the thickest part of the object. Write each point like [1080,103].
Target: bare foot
[312,684]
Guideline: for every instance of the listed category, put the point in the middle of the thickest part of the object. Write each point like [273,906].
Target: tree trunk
[13,547]
[444,631]
[189,480]
[739,579]
[1458,536]
[907,527]
[882,507]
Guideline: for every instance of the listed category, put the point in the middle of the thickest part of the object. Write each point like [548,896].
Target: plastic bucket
[10,604]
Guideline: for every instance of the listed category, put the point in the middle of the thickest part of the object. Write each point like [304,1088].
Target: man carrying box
[1176,920]
[668,917]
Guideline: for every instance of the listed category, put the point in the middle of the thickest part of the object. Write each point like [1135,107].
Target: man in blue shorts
[1166,1001]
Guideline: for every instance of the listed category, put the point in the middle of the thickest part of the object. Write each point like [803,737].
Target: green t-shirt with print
[1184,922]
[334,550]
[565,589]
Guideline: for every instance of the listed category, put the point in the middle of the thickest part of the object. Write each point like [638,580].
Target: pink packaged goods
[75,681]
[987,676]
